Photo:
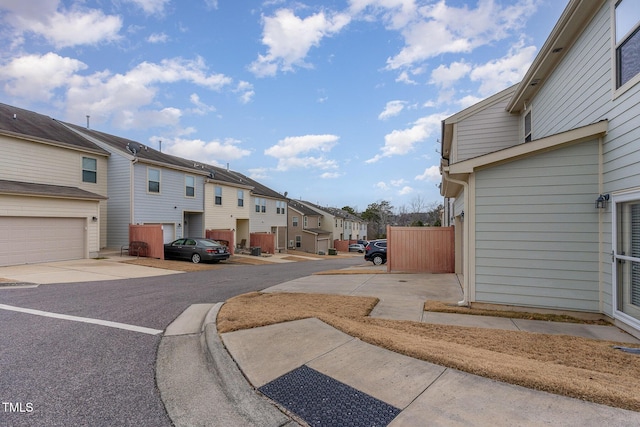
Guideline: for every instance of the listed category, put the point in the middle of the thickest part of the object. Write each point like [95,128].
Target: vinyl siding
[168,205]
[218,217]
[486,131]
[119,200]
[34,162]
[537,231]
[262,222]
[578,93]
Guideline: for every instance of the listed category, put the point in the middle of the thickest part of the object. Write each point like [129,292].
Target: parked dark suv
[376,252]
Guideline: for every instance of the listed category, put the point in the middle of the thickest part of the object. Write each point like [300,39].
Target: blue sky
[338,102]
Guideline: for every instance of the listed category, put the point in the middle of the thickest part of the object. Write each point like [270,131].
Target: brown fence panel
[341,245]
[150,234]
[265,241]
[420,249]
[226,236]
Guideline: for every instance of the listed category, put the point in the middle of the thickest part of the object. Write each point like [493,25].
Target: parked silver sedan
[196,250]
[356,247]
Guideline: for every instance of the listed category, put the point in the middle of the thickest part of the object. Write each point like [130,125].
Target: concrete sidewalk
[289,362]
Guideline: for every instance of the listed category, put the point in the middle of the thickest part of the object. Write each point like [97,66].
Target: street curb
[256,409]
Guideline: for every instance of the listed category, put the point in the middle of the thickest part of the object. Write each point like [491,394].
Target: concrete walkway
[318,375]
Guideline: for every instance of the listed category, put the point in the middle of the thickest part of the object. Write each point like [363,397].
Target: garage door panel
[28,240]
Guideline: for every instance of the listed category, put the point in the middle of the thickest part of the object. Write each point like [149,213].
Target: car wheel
[377,260]
[195,258]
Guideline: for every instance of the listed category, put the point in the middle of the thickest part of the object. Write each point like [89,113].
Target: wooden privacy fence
[265,241]
[224,235]
[151,235]
[420,249]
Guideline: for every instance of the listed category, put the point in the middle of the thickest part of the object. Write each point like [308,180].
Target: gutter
[465,241]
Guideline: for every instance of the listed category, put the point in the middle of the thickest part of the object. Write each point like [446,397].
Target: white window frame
[217,189]
[241,198]
[93,171]
[159,181]
[617,314]
[527,136]
[294,221]
[619,90]
[187,186]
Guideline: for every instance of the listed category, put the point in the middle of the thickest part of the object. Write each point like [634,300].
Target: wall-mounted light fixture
[462,216]
[179,225]
[602,201]
[94,219]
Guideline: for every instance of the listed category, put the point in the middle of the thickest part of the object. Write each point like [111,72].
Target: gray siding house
[546,174]
[150,187]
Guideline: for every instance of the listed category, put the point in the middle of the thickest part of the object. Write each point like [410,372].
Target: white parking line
[83,319]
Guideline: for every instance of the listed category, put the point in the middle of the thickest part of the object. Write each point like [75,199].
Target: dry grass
[571,366]
[441,307]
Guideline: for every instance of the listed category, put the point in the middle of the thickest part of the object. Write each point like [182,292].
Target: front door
[627,258]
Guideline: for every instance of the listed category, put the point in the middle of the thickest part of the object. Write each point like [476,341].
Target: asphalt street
[61,372]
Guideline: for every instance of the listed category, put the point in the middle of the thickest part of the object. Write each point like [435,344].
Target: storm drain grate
[323,401]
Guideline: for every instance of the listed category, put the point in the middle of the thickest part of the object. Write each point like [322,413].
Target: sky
[337,102]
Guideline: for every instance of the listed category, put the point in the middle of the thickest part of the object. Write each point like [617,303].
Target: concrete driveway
[80,270]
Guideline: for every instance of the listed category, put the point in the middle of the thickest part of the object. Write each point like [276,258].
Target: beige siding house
[548,215]
[53,190]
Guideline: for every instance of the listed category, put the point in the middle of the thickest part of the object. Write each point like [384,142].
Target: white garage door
[26,240]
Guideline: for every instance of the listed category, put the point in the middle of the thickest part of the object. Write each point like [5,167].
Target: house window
[189,186]
[280,208]
[261,205]
[627,257]
[304,219]
[218,199]
[527,127]
[153,179]
[240,198]
[89,170]
[298,241]
[627,16]
[319,223]
[294,221]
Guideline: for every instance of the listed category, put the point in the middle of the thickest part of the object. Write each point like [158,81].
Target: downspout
[465,242]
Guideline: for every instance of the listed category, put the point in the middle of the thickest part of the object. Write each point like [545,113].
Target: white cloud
[381,186]
[405,190]
[288,151]
[400,142]
[158,38]
[289,38]
[403,77]
[124,98]
[35,77]
[151,7]
[60,27]
[437,28]
[431,173]
[330,175]
[201,107]
[393,108]
[445,77]
[245,89]
[397,182]
[205,151]
[501,73]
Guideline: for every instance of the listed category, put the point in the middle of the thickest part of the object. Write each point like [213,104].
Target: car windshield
[210,243]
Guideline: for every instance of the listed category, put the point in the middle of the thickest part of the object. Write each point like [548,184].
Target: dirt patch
[571,366]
